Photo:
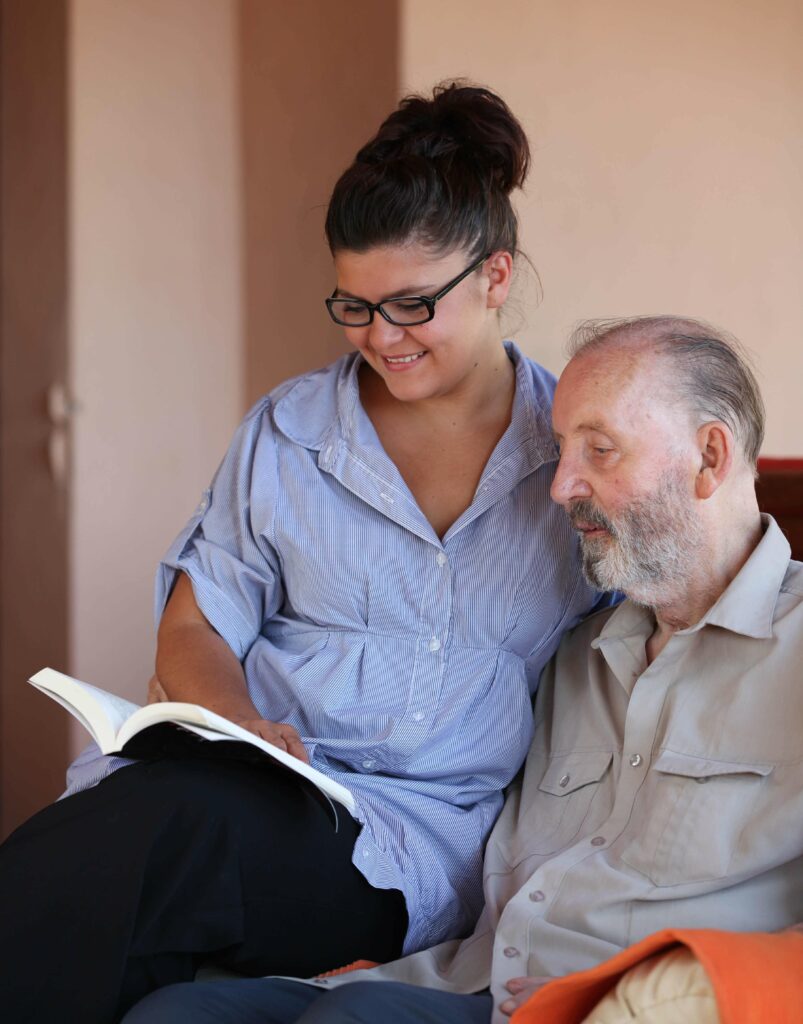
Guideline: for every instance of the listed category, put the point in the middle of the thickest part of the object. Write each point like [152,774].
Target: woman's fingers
[281,735]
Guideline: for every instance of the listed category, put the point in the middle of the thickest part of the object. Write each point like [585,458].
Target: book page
[102,714]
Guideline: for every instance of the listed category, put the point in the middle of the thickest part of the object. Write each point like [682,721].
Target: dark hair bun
[439,171]
[460,123]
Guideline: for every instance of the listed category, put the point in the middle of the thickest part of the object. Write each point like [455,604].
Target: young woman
[373,582]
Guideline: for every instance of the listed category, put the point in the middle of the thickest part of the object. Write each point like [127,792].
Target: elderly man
[664,786]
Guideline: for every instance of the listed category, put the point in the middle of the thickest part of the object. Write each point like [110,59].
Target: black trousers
[172,863]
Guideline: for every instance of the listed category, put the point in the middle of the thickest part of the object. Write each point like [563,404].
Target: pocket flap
[670,762]
[569,772]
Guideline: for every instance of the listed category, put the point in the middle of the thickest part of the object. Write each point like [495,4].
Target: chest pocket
[692,812]
[554,810]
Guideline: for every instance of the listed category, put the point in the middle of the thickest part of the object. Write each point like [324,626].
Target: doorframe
[34,500]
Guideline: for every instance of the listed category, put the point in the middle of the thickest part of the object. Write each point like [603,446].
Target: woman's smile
[400,364]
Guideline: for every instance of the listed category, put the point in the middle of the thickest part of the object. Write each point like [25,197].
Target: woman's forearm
[195,664]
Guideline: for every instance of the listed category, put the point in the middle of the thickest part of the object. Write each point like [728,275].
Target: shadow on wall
[314,85]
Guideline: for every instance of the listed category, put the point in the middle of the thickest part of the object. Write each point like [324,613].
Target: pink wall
[315,84]
[667,143]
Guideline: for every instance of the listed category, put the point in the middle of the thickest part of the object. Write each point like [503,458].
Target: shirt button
[537,896]
[510,952]
[441,558]
[418,716]
[366,853]
[635,760]
[368,763]
[564,781]
[598,841]
[434,644]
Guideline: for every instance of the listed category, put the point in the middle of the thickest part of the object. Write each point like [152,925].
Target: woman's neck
[484,397]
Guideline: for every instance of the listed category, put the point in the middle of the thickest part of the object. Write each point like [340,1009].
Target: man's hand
[281,735]
[520,990]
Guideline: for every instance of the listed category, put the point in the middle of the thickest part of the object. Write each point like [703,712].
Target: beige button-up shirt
[668,795]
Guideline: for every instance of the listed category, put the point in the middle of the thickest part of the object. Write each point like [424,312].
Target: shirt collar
[622,641]
[322,412]
[323,408]
[529,421]
[747,605]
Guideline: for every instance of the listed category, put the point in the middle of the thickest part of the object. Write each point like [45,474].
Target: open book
[112,721]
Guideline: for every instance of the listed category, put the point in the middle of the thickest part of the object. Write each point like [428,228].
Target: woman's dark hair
[438,172]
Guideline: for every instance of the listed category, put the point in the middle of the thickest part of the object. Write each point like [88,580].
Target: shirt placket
[432,627]
[432,647]
[431,659]
[545,901]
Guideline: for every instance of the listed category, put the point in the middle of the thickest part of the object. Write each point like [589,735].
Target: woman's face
[446,354]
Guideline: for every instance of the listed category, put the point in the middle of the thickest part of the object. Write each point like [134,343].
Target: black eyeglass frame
[376,307]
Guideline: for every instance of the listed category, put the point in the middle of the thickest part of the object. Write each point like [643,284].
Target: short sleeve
[228,557]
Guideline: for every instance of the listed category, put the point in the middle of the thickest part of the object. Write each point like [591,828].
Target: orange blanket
[757,978]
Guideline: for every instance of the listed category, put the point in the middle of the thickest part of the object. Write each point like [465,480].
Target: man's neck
[686,605]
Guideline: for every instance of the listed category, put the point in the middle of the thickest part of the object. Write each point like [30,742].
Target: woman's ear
[499,271]
[716,446]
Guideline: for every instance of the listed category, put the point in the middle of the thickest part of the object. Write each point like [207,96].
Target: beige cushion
[670,988]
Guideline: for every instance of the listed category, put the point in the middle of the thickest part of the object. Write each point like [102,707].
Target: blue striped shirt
[407,663]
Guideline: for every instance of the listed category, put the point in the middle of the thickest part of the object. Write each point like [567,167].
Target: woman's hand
[281,735]
[520,990]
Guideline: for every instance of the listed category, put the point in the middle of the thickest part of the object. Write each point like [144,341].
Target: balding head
[706,370]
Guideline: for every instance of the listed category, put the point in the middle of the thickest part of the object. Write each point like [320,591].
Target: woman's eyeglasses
[403,311]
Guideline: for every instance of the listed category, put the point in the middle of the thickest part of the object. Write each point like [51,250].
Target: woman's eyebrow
[342,293]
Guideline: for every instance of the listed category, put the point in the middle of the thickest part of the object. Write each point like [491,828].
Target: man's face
[626,473]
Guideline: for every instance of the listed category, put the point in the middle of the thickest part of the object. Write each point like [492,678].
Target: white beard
[651,549]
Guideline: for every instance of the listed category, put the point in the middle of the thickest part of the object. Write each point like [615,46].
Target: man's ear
[499,270]
[716,446]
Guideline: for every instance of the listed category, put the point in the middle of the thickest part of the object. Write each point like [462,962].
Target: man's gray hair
[711,373]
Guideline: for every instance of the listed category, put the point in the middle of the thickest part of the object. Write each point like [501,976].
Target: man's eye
[356,307]
[602,451]
[409,305]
